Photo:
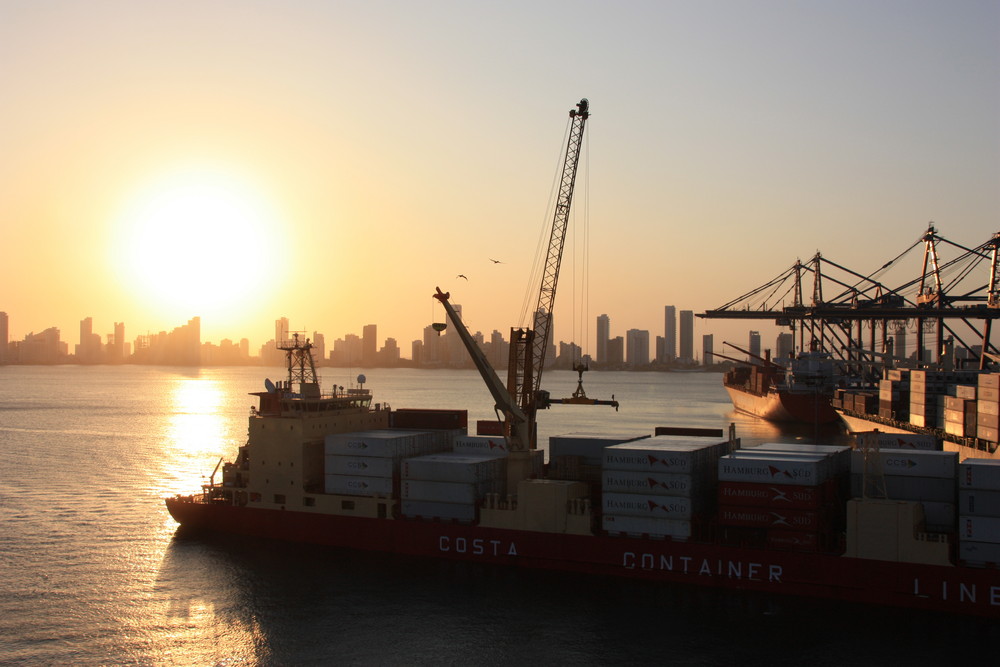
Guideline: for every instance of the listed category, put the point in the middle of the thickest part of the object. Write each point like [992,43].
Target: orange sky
[334,162]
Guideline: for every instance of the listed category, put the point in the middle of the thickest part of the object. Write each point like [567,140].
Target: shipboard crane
[520,400]
[527,347]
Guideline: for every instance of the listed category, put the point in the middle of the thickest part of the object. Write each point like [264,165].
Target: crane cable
[526,317]
[580,330]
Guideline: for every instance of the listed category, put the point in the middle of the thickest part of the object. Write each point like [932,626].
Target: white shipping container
[389,443]
[979,552]
[638,525]
[911,463]
[635,504]
[371,466]
[495,445]
[442,492]
[358,485]
[802,471]
[979,528]
[841,455]
[587,445]
[922,441]
[434,510]
[976,502]
[827,463]
[673,454]
[652,483]
[932,489]
[454,467]
[979,474]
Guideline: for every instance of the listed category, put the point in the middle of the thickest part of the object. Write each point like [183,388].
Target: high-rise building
[687,336]
[319,346]
[707,349]
[899,344]
[4,337]
[369,345]
[430,348]
[281,331]
[603,335]
[637,347]
[390,353]
[42,348]
[755,343]
[784,346]
[616,351]
[89,350]
[347,351]
[498,351]
[116,350]
[669,334]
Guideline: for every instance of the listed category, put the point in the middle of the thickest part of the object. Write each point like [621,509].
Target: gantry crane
[520,400]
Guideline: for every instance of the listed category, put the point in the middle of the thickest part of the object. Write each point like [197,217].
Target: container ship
[681,507]
[799,393]
[909,528]
[954,410]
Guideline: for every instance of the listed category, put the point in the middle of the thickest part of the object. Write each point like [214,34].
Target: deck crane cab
[521,398]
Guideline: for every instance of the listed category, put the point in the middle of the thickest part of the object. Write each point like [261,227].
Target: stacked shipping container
[960,411]
[988,407]
[979,507]
[894,395]
[450,485]
[660,486]
[367,463]
[579,456]
[923,476]
[783,496]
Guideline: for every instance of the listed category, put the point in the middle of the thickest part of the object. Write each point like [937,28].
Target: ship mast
[301,367]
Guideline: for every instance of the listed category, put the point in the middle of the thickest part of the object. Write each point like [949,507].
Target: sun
[198,243]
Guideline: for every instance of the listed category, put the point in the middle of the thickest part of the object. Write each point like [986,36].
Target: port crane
[947,293]
[521,398]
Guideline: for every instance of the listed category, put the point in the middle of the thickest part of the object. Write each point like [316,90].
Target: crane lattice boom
[525,380]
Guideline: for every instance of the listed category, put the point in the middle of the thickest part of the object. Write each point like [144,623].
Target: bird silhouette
[461,275]
[495,261]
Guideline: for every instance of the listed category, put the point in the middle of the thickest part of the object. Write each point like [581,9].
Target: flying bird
[461,275]
[495,261]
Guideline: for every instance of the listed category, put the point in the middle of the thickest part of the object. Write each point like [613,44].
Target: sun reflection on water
[196,423]
[201,424]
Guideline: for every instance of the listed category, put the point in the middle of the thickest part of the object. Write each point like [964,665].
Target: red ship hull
[962,590]
[784,406]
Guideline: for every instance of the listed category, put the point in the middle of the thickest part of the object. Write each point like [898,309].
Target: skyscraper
[4,337]
[603,334]
[707,348]
[687,336]
[784,346]
[280,331]
[369,344]
[755,343]
[669,333]
[637,347]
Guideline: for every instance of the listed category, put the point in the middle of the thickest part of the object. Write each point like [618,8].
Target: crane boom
[503,401]
[525,370]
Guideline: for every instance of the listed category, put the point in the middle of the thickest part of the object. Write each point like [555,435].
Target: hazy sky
[333,162]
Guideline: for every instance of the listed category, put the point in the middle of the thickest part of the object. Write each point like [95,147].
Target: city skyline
[335,162]
[635,347]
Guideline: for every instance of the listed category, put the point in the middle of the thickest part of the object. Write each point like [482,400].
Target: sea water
[93,570]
